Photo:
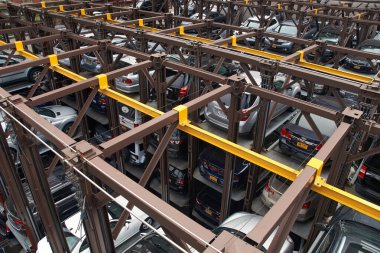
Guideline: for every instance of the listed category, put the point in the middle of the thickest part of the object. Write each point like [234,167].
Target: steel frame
[178,224]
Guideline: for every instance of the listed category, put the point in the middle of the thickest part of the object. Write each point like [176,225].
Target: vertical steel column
[40,189]
[233,130]
[267,76]
[14,187]
[160,73]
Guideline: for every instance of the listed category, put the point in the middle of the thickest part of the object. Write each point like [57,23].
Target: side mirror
[322,226]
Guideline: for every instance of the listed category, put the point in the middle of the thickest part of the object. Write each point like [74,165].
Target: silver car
[30,74]
[216,117]
[241,223]
[274,189]
[60,116]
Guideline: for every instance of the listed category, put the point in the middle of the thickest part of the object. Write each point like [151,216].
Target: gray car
[30,74]
[241,223]
[216,117]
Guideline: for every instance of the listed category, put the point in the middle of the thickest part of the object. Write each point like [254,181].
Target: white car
[76,236]
[241,223]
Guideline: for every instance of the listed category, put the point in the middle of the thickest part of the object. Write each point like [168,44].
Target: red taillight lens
[7,230]
[318,147]
[245,117]
[306,205]
[127,81]
[102,101]
[362,172]
[183,92]
[19,222]
[285,133]
[180,181]
[135,124]
[268,189]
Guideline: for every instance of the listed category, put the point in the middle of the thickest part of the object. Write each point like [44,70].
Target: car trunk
[372,177]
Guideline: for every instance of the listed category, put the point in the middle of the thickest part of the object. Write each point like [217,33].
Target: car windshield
[286,29]
[350,237]
[114,210]
[152,244]
[370,49]
[44,112]
[252,24]
[326,126]
[71,239]
[330,36]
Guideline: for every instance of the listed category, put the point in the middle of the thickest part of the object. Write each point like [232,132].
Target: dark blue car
[211,165]
[361,64]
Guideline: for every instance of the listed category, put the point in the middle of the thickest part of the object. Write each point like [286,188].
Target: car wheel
[34,74]
[144,227]
[67,127]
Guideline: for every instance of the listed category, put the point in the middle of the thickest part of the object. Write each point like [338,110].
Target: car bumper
[280,48]
[205,215]
[244,128]
[359,69]
[134,88]
[292,150]
[216,179]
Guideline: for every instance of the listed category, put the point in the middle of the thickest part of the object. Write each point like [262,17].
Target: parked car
[298,138]
[99,103]
[361,64]
[60,116]
[254,23]
[211,164]
[178,178]
[63,193]
[208,203]
[274,189]
[216,117]
[191,8]
[241,223]
[177,146]
[348,231]
[30,74]
[153,243]
[214,15]
[288,28]
[76,237]
[146,5]
[368,182]
[91,63]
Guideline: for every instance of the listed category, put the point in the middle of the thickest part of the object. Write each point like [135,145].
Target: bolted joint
[209,23]
[237,84]
[158,59]
[103,44]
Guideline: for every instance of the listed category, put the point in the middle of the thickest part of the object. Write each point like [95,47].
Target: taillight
[285,133]
[135,124]
[245,117]
[171,142]
[18,222]
[268,189]
[127,81]
[362,172]
[7,230]
[183,92]
[180,181]
[102,101]
[306,205]
[318,147]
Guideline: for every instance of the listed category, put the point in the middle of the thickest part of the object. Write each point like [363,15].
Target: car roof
[347,214]
[370,43]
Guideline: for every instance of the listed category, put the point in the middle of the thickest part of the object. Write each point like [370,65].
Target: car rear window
[326,126]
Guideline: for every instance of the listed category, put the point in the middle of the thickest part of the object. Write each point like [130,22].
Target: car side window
[84,245]
[46,112]
[273,22]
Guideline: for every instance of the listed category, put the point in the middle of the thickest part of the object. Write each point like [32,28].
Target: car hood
[63,110]
[358,59]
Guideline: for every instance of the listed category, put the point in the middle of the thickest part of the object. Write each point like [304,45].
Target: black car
[208,203]
[146,5]
[288,28]
[99,103]
[177,146]
[151,243]
[348,231]
[298,138]
[64,197]
[361,64]
[368,182]
[178,179]
[101,134]
[211,166]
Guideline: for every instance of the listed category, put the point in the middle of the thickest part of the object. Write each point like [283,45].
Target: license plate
[208,211]
[274,45]
[88,61]
[356,67]
[302,145]
[214,179]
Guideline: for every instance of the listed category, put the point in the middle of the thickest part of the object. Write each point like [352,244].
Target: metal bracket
[53,60]
[103,81]
[318,165]
[182,115]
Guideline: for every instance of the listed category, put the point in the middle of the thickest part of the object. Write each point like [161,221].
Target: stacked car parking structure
[354,123]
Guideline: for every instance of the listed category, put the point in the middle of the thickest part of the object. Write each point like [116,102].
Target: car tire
[144,227]
[34,74]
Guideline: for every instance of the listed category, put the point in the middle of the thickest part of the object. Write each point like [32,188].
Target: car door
[13,76]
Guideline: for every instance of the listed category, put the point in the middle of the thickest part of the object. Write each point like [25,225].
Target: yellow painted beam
[68,73]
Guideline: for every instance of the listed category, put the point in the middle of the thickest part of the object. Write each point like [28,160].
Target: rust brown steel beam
[123,140]
[75,87]
[363,155]
[38,82]
[355,52]
[78,11]
[52,133]
[45,60]
[187,27]
[238,38]
[31,41]
[166,215]
[136,21]
[16,29]
[196,72]
[130,52]
[234,244]
[298,103]
[146,176]
[274,216]
[296,55]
